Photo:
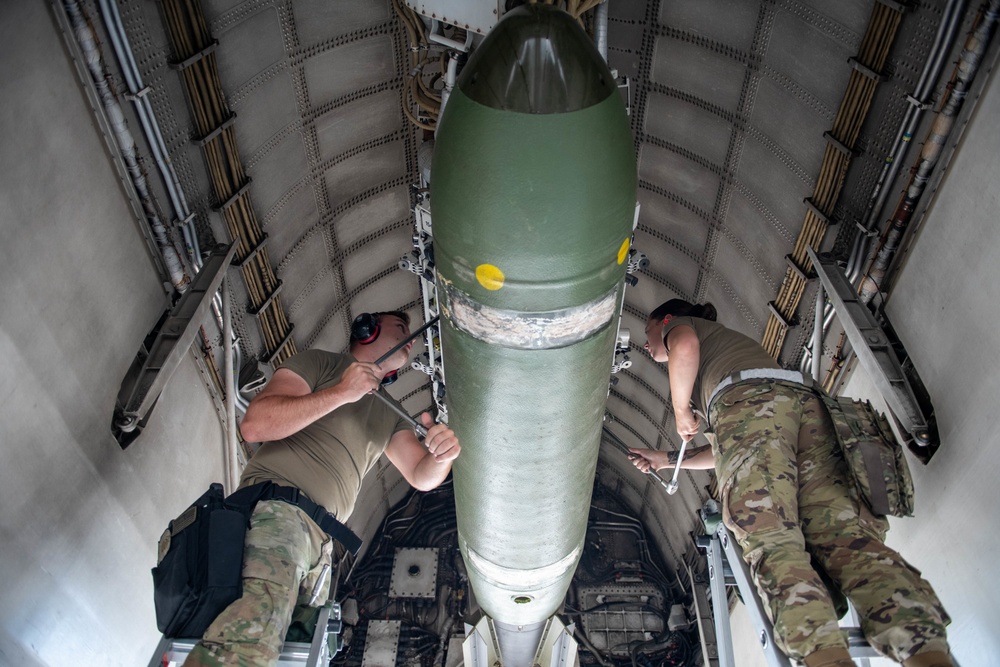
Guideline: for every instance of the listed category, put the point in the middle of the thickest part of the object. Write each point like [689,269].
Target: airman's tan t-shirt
[722,353]
[328,459]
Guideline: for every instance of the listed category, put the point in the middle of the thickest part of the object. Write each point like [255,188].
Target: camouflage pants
[786,499]
[287,561]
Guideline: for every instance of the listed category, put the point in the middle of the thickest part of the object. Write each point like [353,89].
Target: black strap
[876,481]
[251,495]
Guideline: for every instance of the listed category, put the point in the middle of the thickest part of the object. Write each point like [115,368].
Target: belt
[758,374]
[251,495]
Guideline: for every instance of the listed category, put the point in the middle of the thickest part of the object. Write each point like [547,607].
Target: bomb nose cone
[537,60]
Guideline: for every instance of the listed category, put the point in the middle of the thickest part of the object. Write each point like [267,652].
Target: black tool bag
[199,566]
[874,457]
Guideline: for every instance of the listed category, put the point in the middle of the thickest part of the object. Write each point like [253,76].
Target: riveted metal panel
[381,644]
[476,15]
[414,574]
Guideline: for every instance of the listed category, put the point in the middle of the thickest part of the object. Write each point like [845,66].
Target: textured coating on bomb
[528,331]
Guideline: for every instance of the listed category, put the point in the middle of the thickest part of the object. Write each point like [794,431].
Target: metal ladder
[726,567]
[316,653]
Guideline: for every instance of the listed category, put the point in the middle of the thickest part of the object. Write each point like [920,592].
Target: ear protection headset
[365,330]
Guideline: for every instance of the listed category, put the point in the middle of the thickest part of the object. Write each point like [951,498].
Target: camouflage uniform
[287,561]
[785,498]
[287,558]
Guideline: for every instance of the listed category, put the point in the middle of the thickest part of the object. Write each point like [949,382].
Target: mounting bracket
[872,346]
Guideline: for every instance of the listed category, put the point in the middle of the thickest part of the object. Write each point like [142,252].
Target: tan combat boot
[830,657]
[929,659]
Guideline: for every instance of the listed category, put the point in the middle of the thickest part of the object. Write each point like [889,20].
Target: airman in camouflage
[784,486]
[287,563]
[322,430]
[786,496]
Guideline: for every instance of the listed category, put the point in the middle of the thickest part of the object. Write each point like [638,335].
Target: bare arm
[425,465]
[287,404]
[684,352]
[699,458]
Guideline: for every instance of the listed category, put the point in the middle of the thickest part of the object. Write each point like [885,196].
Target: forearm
[697,458]
[428,473]
[276,417]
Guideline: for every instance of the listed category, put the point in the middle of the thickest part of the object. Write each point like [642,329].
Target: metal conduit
[601,29]
[232,442]
[810,346]
[937,137]
[241,403]
[944,39]
[144,110]
[154,137]
[817,354]
[853,111]
[126,143]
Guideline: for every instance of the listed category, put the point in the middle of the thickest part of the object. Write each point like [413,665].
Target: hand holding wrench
[672,486]
[418,428]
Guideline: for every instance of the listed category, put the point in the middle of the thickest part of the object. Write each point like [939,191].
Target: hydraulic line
[126,143]
[144,110]
[232,440]
[154,138]
[416,89]
[808,350]
[943,42]
[817,353]
[937,138]
[944,39]
[601,29]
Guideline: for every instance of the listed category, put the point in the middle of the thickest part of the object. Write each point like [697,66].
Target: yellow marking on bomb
[623,251]
[490,276]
